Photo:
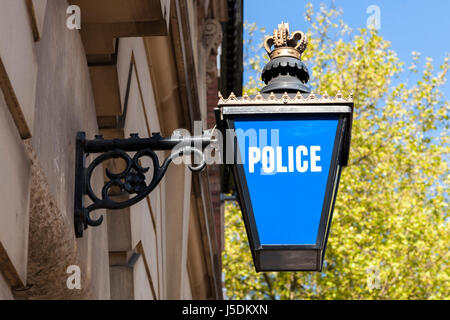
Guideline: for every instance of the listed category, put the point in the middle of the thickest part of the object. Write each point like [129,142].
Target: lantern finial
[285,71]
[285,44]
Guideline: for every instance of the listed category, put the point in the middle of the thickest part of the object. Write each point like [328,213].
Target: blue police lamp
[286,147]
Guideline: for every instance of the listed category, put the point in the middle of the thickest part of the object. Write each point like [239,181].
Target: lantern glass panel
[286,162]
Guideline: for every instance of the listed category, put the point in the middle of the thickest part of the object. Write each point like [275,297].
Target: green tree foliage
[390,233]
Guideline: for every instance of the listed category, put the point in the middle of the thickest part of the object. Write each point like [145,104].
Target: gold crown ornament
[285,44]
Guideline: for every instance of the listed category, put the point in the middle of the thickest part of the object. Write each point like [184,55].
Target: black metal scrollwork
[132,179]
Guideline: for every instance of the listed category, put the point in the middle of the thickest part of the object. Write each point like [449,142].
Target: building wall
[64,105]
[5,291]
[124,72]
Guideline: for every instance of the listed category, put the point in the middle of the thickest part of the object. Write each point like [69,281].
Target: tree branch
[269,285]
[293,286]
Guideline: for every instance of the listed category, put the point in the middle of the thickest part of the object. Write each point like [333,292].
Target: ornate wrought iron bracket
[132,179]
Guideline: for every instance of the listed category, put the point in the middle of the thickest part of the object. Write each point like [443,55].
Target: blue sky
[410,25]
